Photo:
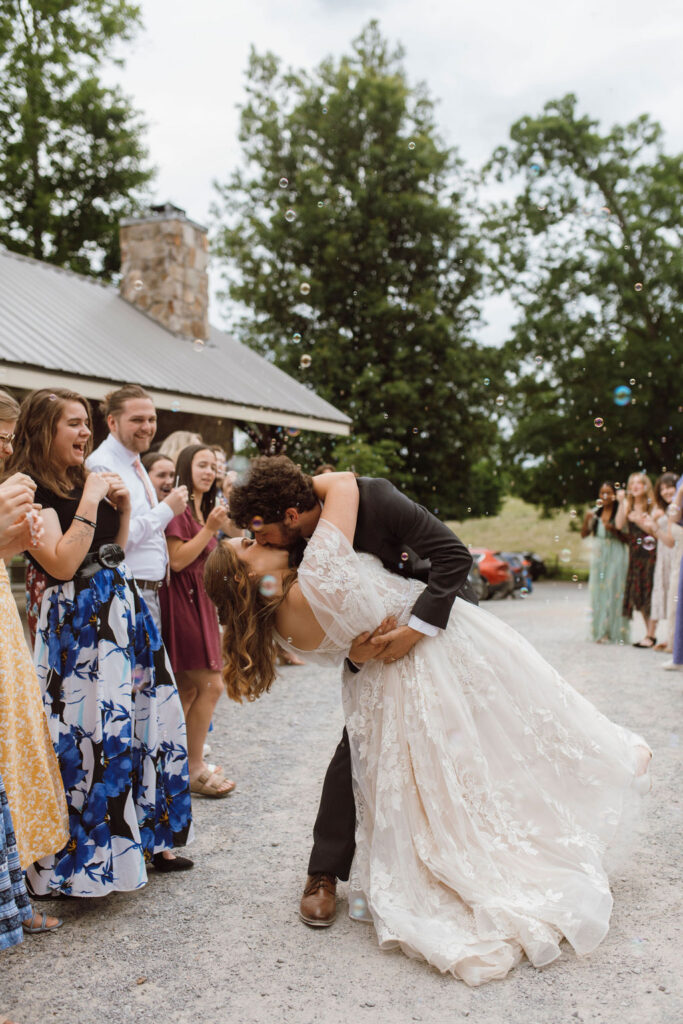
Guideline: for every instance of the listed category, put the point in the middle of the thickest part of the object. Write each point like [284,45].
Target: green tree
[590,251]
[348,241]
[72,161]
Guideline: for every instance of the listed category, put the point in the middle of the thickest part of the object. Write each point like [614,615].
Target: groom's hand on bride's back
[365,645]
[396,643]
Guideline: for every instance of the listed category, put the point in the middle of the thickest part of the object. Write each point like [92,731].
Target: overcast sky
[486,62]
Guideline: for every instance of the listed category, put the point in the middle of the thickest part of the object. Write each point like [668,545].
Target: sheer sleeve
[338,588]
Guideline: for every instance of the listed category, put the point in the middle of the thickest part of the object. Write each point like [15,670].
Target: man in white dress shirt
[132,421]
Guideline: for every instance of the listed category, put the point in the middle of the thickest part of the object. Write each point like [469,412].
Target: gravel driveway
[222,944]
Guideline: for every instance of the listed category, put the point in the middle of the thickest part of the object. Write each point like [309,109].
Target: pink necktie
[151,496]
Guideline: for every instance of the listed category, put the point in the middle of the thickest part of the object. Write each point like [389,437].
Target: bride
[487,789]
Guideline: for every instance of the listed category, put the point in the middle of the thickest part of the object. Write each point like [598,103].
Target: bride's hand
[362,649]
[398,643]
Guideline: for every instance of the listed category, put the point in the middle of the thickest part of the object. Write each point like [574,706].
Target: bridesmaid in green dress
[609,565]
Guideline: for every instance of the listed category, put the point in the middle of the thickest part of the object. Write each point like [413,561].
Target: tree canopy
[589,249]
[72,159]
[348,241]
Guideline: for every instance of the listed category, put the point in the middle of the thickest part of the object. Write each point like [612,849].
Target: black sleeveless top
[107,521]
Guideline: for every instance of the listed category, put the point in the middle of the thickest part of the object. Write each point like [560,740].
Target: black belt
[107,556]
[153,585]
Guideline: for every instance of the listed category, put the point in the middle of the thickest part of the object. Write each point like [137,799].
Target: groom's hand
[398,642]
[363,648]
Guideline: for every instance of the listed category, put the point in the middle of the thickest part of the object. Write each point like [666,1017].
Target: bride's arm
[339,495]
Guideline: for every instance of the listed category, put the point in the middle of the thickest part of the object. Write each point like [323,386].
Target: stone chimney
[164,260]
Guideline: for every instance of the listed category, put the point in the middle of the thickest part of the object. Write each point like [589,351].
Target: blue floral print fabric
[117,726]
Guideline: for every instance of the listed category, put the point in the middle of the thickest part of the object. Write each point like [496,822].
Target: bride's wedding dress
[487,789]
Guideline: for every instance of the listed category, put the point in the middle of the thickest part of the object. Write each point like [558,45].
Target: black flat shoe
[162,863]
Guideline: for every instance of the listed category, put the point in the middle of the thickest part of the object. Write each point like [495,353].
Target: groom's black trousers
[334,832]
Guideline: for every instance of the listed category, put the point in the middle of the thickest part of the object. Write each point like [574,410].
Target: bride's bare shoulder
[296,620]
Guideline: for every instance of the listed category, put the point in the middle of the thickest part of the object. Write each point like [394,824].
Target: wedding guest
[221,460]
[175,442]
[657,526]
[676,592]
[31,789]
[132,421]
[609,565]
[634,505]
[113,712]
[188,618]
[161,472]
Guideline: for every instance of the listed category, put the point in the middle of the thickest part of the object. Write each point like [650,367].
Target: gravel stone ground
[222,944]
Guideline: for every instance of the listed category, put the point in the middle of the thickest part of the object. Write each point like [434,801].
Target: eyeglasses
[7,439]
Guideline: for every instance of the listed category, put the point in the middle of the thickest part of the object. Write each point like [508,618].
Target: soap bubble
[539,360]
[283,182]
[198,344]
[605,211]
[500,400]
[404,556]
[305,288]
[290,216]
[320,204]
[535,169]
[572,513]
[487,381]
[359,908]
[138,285]
[293,432]
[632,381]
[411,145]
[305,362]
[649,543]
[268,586]
[565,555]
[175,406]
[296,337]
[256,524]
[523,591]
[622,395]
[638,287]
[599,422]
[575,578]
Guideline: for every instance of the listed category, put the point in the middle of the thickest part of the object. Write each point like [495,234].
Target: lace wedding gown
[486,788]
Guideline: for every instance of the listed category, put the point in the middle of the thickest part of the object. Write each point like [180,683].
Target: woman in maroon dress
[189,624]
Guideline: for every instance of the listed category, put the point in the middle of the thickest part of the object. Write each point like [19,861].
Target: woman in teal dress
[609,565]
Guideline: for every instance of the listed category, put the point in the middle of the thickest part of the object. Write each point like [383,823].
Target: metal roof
[53,321]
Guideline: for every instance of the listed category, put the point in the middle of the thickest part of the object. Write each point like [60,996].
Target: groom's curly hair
[272,485]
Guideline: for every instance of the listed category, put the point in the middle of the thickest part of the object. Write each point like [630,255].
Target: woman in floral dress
[114,715]
[636,504]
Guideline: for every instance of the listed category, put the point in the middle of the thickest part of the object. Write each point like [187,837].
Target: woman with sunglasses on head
[188,618]
[113,712]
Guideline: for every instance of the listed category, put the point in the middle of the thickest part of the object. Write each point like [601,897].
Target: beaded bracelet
[88,522]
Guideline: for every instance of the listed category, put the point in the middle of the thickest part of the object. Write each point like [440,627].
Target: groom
[276,501]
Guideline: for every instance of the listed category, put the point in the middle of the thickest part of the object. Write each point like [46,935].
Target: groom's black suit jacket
[390,526]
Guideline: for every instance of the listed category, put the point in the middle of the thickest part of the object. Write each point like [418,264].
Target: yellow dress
[28,764]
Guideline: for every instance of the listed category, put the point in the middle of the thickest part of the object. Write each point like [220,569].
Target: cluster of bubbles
[268,586]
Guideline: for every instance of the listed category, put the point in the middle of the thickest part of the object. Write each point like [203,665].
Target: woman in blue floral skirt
[113,710]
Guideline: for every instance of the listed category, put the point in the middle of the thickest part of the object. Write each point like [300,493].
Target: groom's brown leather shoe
[319,901]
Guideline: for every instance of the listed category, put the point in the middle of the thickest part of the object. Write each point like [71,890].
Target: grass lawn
[520,527]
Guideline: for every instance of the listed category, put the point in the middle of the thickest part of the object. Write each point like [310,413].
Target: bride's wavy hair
[248,619]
